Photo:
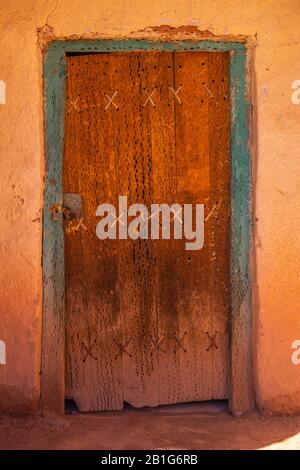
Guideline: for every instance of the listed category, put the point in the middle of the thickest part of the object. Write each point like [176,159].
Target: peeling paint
[186,29]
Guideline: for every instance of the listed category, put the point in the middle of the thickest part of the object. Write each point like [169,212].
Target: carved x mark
[175,93]
[73,105]
[117,219]
[176,216]
[156,342]
[150,98]
[122,348]
[212,339]
[179,342]
[89,348]
[80,224]
[213,211]
[111,101]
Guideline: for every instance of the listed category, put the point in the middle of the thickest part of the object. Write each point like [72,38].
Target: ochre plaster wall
[274,34]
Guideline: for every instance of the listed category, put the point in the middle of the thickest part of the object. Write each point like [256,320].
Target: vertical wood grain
[165,192]
[132,76]
[93,321]
[193,173]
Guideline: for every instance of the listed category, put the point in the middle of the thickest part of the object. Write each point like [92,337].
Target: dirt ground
[190,426]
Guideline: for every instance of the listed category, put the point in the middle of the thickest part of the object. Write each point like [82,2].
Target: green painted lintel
[127,45]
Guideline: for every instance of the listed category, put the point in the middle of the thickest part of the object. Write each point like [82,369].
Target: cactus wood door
[147,322]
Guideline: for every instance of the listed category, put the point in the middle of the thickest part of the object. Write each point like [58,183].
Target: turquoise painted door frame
[53,330]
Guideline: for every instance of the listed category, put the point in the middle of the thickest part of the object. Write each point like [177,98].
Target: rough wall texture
[273,26]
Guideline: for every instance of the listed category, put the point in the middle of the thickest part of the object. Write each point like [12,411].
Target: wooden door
[147,322]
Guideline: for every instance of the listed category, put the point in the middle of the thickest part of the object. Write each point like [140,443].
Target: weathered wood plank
[219,151]
[165,192]
[193,173]
[93,321]
[132,75]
